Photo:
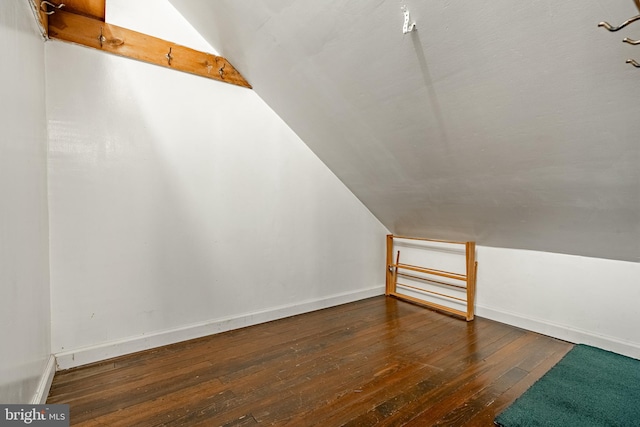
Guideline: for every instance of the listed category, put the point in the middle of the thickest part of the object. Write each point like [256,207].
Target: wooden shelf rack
[463,283]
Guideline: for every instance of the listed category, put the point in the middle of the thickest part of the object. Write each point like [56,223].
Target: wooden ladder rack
[395,269]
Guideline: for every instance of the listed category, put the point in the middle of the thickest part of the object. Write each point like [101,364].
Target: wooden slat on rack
[472,268]
[425,270]
[131,44]
[389,263]
[404,285]
[429,280]
[430,240]
[429,304]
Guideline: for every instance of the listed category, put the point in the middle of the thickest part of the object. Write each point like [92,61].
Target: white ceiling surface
[515,124]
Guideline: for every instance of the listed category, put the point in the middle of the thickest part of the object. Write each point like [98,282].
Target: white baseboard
[563,332]
[46,379]
[86,355]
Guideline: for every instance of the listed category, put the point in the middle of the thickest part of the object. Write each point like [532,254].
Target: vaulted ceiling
[516,124]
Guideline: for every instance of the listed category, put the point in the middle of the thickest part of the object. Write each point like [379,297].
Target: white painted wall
[156,18]
[579,299]
[513,124]
[181,206]
[24,250]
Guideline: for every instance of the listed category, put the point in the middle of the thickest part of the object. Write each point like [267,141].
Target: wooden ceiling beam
[120,41]
[95,9]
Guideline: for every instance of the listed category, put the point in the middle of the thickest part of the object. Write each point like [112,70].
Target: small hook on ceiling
[631,41]
[633,62]
[619,27]
[169,57]
[407,27]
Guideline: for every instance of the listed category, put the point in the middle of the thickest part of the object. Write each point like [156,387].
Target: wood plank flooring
[379,361]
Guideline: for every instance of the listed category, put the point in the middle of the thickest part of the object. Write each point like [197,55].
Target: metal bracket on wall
[45,3]
[406,27]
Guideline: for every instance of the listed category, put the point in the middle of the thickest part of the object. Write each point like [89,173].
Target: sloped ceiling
[516,124]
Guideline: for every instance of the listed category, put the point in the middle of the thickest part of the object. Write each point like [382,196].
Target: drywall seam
[40,397]
[91,354]
[563,332]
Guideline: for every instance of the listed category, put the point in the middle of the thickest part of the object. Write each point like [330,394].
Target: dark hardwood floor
[378,361]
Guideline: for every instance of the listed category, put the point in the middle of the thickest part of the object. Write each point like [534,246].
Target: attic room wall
[511,124]
[182,206]
[24,250]
[578,299]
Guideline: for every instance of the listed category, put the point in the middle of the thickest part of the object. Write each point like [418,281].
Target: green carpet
[588,387]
